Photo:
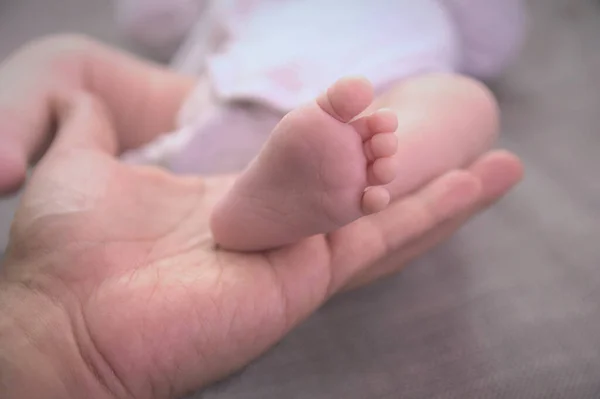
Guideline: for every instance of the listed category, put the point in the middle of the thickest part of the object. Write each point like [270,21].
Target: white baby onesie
[283,53]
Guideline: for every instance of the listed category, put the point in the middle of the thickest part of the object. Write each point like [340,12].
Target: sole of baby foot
[324,166]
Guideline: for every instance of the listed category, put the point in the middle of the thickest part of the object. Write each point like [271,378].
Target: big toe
[347,98]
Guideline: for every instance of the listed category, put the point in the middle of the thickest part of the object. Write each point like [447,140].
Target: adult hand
[112,287]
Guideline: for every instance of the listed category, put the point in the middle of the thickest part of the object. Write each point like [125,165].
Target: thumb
[84,124]
[74,174]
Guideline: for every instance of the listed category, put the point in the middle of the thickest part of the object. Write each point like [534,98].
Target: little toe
[383,145]
[382,171]
[375,199]
[347,98]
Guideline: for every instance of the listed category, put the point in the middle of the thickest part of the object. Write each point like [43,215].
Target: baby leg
[445,121]
[313,175]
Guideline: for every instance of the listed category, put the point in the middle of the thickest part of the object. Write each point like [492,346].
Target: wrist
[39,355]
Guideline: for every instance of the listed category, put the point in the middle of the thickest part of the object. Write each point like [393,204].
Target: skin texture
[112,266]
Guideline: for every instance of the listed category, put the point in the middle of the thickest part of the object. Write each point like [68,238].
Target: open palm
[157,310]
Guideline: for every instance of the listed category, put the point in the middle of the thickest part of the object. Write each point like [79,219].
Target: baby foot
[322,168]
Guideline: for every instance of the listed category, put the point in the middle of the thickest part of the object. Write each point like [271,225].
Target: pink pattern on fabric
[287,77]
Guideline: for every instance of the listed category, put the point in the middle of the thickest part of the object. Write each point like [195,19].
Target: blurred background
[510,307]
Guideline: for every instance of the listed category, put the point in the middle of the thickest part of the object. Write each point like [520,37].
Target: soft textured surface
[511,306]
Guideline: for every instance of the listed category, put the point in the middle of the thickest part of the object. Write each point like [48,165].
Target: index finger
[142,98]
